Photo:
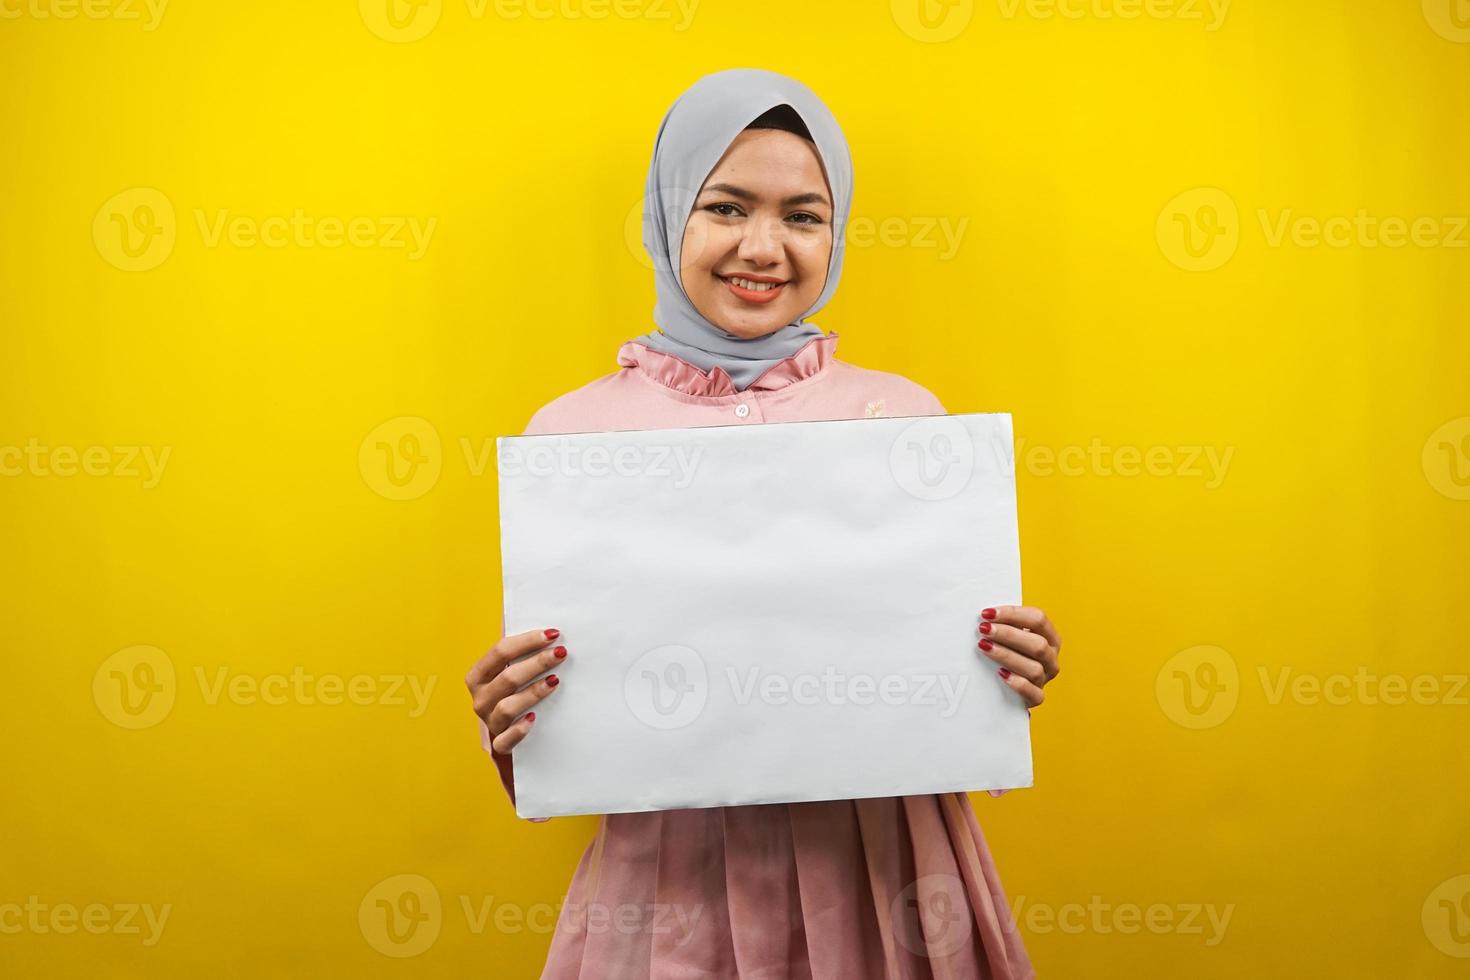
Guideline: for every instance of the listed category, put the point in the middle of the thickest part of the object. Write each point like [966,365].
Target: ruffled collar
[678,374]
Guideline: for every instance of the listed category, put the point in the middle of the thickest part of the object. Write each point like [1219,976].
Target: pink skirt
[883,888]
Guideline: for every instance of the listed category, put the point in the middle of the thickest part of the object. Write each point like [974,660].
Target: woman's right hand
[501,684]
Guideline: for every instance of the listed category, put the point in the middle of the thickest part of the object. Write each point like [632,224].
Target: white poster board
[764,613]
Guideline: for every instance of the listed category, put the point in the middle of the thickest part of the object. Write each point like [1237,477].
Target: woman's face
[759,238]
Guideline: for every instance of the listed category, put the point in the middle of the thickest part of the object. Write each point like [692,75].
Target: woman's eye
[810,219]
[724,214]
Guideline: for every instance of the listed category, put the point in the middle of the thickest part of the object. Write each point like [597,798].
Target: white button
[741,411]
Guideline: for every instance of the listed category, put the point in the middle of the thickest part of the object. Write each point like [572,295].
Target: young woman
[748,194]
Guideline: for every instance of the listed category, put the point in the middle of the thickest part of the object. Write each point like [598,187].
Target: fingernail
[986,645]
[551,634]
[552,681]
[988,613]
[560,652]
[530,716]
[985,627]
[1004,673]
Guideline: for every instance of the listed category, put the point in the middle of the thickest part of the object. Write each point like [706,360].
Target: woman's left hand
[1025,645]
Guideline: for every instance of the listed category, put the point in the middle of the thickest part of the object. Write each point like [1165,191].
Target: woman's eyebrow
[810,197]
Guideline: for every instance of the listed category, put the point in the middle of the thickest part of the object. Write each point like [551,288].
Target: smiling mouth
[761,290]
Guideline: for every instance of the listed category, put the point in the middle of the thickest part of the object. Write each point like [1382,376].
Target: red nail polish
[988,613]
[530,716]
[1004,673]
[986,645]
[560,653]
[985,627]
[552,681]
[551,634]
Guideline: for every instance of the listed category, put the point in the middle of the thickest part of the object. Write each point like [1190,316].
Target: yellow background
[1075,150]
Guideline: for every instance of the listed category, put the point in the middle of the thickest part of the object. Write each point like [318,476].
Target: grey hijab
[694,135]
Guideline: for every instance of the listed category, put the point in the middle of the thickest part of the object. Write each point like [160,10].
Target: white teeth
[759,287]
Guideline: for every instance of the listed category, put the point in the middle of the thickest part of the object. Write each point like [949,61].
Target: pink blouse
[879,888]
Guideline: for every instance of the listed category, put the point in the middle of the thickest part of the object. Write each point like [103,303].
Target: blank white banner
[769,613]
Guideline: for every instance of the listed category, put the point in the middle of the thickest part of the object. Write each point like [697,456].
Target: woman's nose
[763,241]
